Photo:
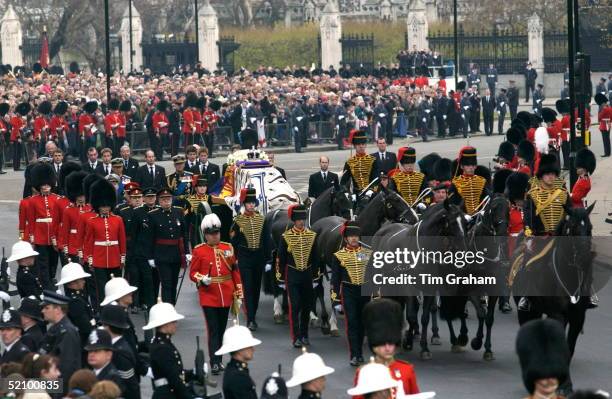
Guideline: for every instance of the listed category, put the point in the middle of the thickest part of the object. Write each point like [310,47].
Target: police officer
[31,322]
[296,270]
[169,378]
[502,107]
[28,283]
[240,344]
[360,169]
[513,99]
[180,181]
[215,271]
[100,355]
[62,339]
[166,243]
[310,372]
[248,238]
[80,311]
[348,272]
[143,276]
[115,321]
[10,328]
[492,78]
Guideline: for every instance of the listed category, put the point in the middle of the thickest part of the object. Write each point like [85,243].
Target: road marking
[9,202]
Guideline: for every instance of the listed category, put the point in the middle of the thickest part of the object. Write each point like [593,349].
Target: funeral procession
[367,199]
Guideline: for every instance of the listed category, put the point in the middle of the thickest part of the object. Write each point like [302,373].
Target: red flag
[44,51]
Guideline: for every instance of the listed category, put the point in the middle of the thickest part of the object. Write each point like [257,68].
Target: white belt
[44,220]
[73,231]
[160,382]
[106,243]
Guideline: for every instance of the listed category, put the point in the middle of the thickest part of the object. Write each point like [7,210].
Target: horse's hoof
[325,330]
[462,340]
[426,355]
[476,343]
[278,319]
[488,356]
[334,333]
[435,340]
[458,348]
[417,335]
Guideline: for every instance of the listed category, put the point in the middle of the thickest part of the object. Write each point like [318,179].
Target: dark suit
[316,184]
[15,354]
[124,359]
[212,172]
[131,168]
[387,164]
[143,177]
[96,169]
[488,108]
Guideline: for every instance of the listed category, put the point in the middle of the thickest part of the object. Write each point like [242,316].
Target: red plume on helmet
[243,194]
[343,228]
[352,134]
[290,210]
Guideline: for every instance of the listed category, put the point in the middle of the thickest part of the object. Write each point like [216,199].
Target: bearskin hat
[499,180]
[517,185]
[526,151]
[125,106]
[90,107]
[37,67]
[191,100]
[248,139]
[201,103]
[74,184]
[563,106]
[42,173]
[427,163]
[88,181]
[113,104]
[74,67]
[549,115]
[382,320]
[515,134]
[467,156]
[461,85]
[163,105]
[358,137]
[44,108]
[543,352]
[442,170]
[586,159]
[60,108]
[66,169]
[23,109]
[215,105]
[506,151]
[485,172]
[524,117]
[601,98]
[548,164]
[350,228]
[297,212]
[4,108]
[536,121]
[406,155]
[102,193]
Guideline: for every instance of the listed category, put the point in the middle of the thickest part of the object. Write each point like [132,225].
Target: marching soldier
[80,311]
[525,157]
[360,169]
[161,124]
[374,381]
[104,245]
[383,325]
[169,377]
[31,323]
[191,119]
[506,154]
[11,330]
[112,123]
[19,130]
[28,280]
[215,271]
[69,235]
[120,291]
[239,343]
[42,133]
[348,275]
[62,338]
[309,371]
[127,213]
[605,121]
[166,243]
[585,166]
[248,239]
[405,180]
[468,186]
[88,128]
[296,270]
[180,181]
[144,275]
[58,125]
[198,205]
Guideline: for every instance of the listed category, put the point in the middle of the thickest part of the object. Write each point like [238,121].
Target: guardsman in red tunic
[125,110]
[85,216]
[42,131]
[58,125]
[41,213]
[87,127]
[506,153]
[19,122]
[68,238]
[61,204]
[190,128]
[104,245]
[525,155]
[23,218]
[112,123]
[4,129]
[605,121]
[209,121]
[160,128]
[214,269]
[585,165]
[383,320]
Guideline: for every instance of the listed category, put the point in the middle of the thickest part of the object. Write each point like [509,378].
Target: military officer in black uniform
[100,355]
[31,322]
[144,275]
[166,243]
[127,212]
[170,380]
[180,181]
[115,320]
[80,311]
[295,269]
[239,343]
[248,239]
[10,329]
[348,275]
[28,283]
[62,339]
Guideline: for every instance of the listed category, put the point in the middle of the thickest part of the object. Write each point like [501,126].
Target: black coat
[126,363]
[316,184]
[237,383]
[166,363]
[165,225]
[143,177]
[488,106]
[110,373]
[15,354]
[28,282]
[81,314]
[131,169]
[63,341]
[212,172]
[389,163]
[32,337]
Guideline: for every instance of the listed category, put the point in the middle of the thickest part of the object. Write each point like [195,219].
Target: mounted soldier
[405,180]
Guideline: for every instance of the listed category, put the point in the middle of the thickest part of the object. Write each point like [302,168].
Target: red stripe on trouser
[346,326]
[289,303]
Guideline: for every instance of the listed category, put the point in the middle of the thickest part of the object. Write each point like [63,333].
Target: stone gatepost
[11,37]
[208,37]
[535,31]
[417,27]
[331,33]
[137,61]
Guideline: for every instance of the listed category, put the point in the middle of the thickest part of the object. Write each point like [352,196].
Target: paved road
[457,376]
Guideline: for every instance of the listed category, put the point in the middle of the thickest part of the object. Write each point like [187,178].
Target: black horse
[442,228]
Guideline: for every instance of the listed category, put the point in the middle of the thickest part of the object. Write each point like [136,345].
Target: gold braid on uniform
[354,261]
[299,245]
[535,182]
[251,227]
[549,204]
[408,184]
[194,201]
[470,188]
[360,167]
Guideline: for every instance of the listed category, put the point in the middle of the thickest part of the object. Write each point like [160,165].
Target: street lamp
[572,90]
[108,54]
[131,39]
[197,29]
[456,55]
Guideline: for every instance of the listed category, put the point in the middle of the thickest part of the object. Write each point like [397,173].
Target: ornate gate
[161,55]
[227,45]
[357,50]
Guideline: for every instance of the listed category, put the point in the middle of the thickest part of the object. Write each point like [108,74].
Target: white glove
[188,257]
[296,129]
[369,193]
[353,197]
[8,270]
[152,262]
[421,206]
[4,296]
[468,218]
[338,308]
[149,373]
[268,267]
[206,280]
[281,286]
[444,117]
